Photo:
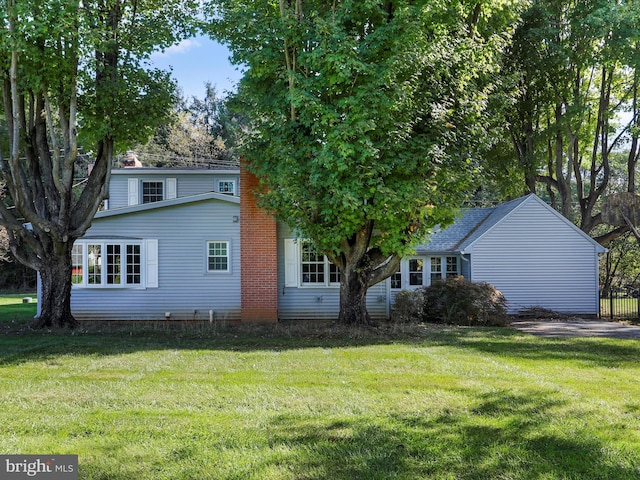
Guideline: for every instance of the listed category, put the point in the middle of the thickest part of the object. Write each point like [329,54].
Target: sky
[196,61]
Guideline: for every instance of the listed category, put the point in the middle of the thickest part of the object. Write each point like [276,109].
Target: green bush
[460,302]
[407,307]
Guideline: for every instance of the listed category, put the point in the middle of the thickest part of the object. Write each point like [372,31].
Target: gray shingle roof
[468,227]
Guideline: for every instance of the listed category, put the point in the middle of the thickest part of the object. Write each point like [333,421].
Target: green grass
[266,403]
[12,308]
[622,308]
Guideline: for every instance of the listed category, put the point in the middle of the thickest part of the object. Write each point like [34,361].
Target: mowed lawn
[278,403]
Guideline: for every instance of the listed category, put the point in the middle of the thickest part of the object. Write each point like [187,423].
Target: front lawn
[453,403]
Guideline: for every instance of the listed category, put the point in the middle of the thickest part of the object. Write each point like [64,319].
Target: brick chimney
[258,256]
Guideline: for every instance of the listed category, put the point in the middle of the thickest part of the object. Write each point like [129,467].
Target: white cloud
[182,47]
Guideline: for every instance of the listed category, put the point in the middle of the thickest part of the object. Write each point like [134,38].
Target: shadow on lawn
[506,435]
[25,345]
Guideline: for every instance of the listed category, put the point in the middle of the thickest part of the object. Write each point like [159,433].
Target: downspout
[464,259]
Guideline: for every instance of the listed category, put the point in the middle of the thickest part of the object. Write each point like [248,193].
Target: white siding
[176,184]
[183,284]
[536,259]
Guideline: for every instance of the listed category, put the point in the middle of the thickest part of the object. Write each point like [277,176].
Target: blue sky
[196,61]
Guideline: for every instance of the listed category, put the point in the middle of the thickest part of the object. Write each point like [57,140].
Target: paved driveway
[577,328]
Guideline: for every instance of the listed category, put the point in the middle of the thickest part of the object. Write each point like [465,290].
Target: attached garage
[528,251]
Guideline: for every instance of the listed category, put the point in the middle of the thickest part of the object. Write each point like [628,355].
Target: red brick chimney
[258,256]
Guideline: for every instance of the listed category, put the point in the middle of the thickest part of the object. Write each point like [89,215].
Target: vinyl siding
[183,282]
[536,259]
[316,303]
[187,183]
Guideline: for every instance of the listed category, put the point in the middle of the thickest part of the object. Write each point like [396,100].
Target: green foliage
[73,75]
[199,131]
[460,302]
[407,307]
[363,112]
[573,81]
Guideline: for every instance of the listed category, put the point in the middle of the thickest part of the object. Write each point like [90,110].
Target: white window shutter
[291,263]
[172,188]
[134,197]
[151,249]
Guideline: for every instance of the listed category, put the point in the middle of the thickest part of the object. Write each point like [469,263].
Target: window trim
[327,283]
[207,257]
[149,181]
[104,244]
[426,271]
[231,181]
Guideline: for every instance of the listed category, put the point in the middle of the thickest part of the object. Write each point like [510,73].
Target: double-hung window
[315,267]
[152,191]
[217,256]
[312,264]
[108,263]
[306,266]
[436,269]
[451,267]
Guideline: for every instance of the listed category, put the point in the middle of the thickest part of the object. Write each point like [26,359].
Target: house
[182,244]
[525,248]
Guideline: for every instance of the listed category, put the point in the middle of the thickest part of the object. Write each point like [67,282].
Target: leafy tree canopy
[367,116]
[72,75]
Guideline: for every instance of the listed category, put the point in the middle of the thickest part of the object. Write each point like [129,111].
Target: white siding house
[528,251]
[170,243]
[179,257]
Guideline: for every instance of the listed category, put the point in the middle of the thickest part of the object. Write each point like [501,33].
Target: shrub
[460,302]
[408,307]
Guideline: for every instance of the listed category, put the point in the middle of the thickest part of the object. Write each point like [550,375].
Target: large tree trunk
[55,277]
[360,268]
[353,298]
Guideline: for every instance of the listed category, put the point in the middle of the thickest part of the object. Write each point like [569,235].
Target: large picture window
[107,263]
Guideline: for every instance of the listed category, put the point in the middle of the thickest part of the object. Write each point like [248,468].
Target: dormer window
[152,192]
[149,191]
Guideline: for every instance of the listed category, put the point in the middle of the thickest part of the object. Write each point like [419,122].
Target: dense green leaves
[574,71]
[72,76]
[366,114]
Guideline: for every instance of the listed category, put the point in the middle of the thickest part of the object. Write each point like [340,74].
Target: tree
[577,68]
[198,132]
[365,119]
[72,74]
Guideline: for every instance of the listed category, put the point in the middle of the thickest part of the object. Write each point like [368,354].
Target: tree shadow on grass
[505,435]
[600,352]
[29,345]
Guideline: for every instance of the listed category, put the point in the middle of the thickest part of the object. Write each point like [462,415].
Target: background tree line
[389,115]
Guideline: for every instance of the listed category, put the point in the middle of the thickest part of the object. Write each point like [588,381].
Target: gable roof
[474,223]
[169,203]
